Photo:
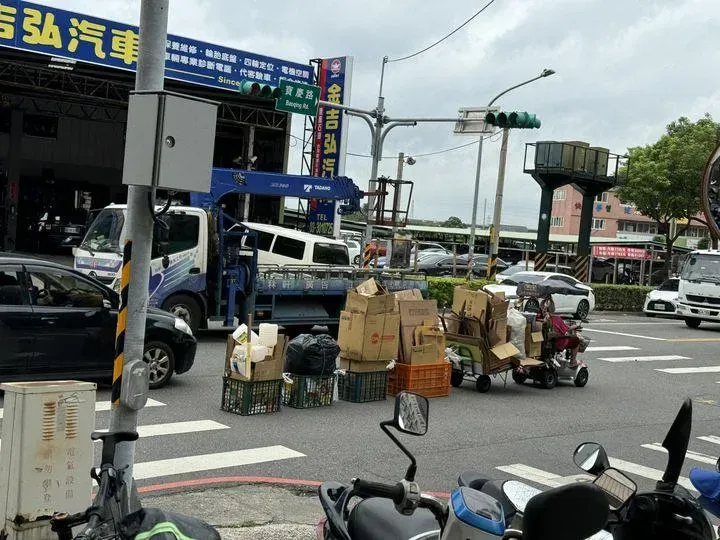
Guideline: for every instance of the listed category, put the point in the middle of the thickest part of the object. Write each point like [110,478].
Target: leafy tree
[454,222]
[703,243]
[663,179]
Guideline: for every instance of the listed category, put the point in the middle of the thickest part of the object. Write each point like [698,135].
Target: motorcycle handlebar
[367,488]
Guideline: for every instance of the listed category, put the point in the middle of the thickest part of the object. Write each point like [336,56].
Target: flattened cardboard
[407,294]
[497,331]
[369,337]
[476,302]
[453,324]
[533,343]
[504,351]
[356,366]
[269,369]
[435,337]
[423,354]
[531,362]
[417,312]
[498,306]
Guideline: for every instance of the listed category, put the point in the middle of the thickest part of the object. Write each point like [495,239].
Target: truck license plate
[704,312]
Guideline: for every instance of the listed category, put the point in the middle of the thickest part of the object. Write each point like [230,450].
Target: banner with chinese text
[621,252]
[56,32]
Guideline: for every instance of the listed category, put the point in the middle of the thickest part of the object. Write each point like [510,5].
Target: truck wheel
[693,323]
[186,308]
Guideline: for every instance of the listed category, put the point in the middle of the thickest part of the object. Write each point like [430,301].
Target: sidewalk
[248,511]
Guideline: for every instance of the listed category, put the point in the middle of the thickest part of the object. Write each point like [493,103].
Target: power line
[444,38]
[428,153]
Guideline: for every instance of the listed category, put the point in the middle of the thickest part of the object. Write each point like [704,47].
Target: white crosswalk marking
[612,348]
[710,438]
[210,462]
[645,472]
[541,477]
[665,357]
[105,405]
[685,370]
[176,428]
[694,456]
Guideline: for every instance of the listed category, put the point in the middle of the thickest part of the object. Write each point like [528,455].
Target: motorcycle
[403,511]
[667,512]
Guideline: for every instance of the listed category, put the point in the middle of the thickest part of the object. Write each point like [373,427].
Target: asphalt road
[511,432]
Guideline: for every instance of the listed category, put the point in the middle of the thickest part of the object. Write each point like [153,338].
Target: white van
[278,246]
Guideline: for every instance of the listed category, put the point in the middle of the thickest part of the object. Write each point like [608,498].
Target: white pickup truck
[699,290]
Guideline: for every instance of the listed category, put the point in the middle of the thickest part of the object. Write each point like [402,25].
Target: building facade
[612,219]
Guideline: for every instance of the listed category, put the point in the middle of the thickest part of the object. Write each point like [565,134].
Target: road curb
[229,481]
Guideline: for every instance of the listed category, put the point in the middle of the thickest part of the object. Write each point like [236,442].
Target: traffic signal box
[515,120]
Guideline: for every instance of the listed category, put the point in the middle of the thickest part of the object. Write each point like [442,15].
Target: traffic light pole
[497,211]
[150,76]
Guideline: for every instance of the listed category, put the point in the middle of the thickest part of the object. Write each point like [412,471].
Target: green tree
[703,243]
[663,179]
[454,222]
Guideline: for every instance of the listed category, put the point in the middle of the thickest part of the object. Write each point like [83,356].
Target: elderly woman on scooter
[569,341]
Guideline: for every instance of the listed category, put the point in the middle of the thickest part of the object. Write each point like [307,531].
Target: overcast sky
[624,70]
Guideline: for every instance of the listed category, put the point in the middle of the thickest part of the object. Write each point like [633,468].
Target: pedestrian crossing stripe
[101,406]
[666,357]
[612,348]
[693,456]
[687,370]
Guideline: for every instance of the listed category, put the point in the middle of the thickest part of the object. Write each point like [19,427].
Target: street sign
[298,98]
[471,121]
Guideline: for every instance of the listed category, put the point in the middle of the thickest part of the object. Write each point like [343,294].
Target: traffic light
[516,120]
[254,88]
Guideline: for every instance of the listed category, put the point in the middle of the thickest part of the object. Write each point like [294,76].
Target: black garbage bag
[312,355]
[156,524]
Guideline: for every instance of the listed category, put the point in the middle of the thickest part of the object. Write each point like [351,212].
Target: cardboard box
[269,369]
[414,313]
[533,343]
[423,354]
[475,302]
[408,294]
[466,327]
[369,298]
[369,337]
[501,355]
[497,331]
[356,366]
[497,306]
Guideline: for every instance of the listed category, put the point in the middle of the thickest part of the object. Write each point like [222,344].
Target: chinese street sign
[320,217]
[298,98]
[621,252]
[55,32]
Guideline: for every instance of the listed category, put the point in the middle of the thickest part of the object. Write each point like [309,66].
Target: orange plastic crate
[429,380]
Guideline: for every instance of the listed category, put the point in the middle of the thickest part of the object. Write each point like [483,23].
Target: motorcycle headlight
[183,326]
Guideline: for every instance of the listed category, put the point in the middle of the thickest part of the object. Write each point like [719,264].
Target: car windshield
[702,267]
[104,233]
[669,285]
[513,270]
[524,277]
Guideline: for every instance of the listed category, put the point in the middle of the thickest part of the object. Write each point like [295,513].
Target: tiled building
[611,219]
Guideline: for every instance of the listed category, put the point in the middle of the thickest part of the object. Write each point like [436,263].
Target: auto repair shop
[64,85]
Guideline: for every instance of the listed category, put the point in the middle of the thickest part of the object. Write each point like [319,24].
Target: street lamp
[500,185]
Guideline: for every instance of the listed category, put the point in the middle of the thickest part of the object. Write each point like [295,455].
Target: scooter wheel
[456,378]
[519,378]
[581,378]
[483,384]
[549,379]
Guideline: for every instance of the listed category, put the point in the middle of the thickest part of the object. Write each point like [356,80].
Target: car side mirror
[411,413]
[591,457]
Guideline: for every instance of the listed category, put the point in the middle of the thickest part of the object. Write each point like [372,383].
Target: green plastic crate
[251,397]
[308,391]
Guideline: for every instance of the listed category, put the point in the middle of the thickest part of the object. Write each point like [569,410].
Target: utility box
[170,141]
[46,454]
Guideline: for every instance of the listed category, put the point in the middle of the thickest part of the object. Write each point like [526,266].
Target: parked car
[56,323]
[580,306]
[663,300]
[354,251]
[522,266]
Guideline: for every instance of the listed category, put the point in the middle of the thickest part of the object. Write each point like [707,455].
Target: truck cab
[699,289]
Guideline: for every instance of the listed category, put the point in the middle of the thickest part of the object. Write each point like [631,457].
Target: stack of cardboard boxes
[479,320]
[422,341]
[369,333]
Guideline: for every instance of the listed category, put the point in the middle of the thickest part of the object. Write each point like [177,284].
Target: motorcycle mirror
[591,457]
[411,413]
[571,512]
[618,488]
[676,443]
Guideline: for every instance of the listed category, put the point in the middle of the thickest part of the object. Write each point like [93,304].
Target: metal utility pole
[139,230]
[497,213]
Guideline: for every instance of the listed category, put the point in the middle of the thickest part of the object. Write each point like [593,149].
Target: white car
[354,251]
[514,269]
[580,306]
[663,300]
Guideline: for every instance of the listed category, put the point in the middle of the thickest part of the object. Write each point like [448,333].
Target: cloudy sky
[624,70]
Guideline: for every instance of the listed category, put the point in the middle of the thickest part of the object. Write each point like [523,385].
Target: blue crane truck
[205,266]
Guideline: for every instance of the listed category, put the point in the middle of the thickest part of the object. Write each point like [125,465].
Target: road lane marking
[646,472]
[644,358]
[176,428]
[680,370]
[711,439]
[694,456]
[694,340]
[541,477]
[612,348]
[622,334]
[101,406]
[210,462]
[624,323]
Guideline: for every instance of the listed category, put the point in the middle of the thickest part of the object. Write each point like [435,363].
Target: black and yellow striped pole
[541,260]
[121,324]
[581,268]
[368,255]
[492,259]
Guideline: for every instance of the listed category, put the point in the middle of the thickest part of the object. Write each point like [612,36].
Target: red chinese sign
[621,252]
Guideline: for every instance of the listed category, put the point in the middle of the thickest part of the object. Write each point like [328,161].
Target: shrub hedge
[607,297]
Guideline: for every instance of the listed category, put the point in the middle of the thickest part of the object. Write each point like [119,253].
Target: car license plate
[71,230]
[660,307]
